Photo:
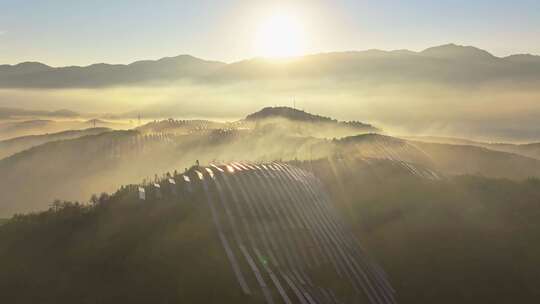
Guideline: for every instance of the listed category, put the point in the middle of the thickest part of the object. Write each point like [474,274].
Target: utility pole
[311,148]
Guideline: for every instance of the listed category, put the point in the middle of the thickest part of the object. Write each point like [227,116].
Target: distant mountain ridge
[455,51]
[15,112]
[38,75]
[15,145]
[448,63]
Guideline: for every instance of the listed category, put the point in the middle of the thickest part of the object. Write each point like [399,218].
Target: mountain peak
[452,50]
[26,67]
[524,58]
[33,64]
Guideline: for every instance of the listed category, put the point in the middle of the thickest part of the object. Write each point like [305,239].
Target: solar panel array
[283,238]
[278,230]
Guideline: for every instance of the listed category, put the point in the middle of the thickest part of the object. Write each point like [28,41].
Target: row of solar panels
[169,185]
[399,152]
[277,228]
[284,228]
[117,147]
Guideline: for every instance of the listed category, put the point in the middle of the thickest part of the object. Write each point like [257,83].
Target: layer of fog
[491,111]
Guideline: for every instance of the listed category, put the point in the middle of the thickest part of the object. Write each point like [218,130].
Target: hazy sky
[67,32]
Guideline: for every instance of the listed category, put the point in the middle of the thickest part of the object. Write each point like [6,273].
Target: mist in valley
[448,90]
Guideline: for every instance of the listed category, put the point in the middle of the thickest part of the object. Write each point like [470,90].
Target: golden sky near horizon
[65,32]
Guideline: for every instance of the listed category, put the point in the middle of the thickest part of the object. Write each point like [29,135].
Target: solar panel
[210,172]
[300,199]
[266,292]
[224,241]
[142,193]
[241,165]
[171,185]
[321,234]
[247,230]
[259,224]
[236,167]
[217,168]
[375,286]
[299,295]
[274,279]
[270,197]
[262,230]
[329,237]
[299,213]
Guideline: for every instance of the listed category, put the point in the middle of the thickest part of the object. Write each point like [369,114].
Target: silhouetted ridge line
[36,75]
[446,64]
[6,112]
[456,52]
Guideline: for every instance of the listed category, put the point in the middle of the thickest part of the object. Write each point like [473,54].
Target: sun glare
[280,35]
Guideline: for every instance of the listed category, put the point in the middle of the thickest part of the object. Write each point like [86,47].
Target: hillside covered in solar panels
[250,233]
[335,231]
[282,206]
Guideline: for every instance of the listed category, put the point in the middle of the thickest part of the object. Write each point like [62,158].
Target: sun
[280,35]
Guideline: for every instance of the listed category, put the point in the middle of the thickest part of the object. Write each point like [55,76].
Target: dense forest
[462,239]
[112,250]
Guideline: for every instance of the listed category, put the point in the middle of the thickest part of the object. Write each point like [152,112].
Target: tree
[103,198]
[94,199]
